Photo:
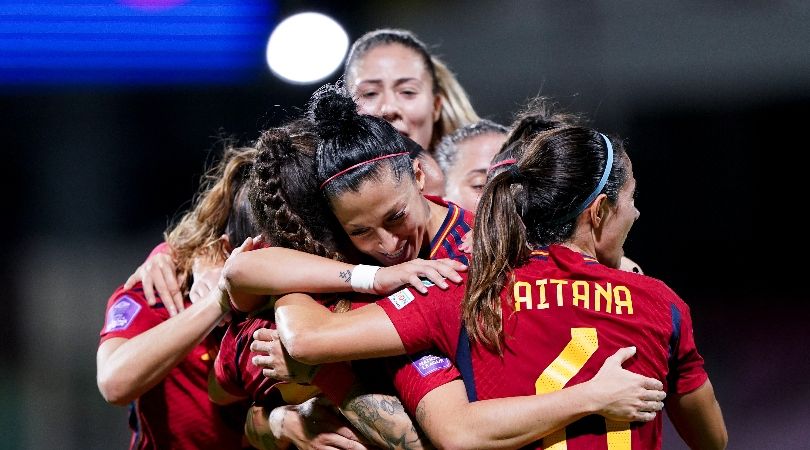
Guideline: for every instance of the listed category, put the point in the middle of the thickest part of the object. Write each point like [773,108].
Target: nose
[389,243]
[390,108]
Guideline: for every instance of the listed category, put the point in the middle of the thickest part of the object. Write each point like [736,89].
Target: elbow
[233,273]
[115,390]
[301,346]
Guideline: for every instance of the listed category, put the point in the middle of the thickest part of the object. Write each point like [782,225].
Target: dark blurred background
[103,150]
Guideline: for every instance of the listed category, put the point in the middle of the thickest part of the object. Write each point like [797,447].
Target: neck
[436,214]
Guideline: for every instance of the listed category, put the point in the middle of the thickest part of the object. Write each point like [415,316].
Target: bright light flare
[306,47]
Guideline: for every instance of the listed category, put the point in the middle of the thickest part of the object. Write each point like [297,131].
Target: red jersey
[176,413]
[238,376]
[457,223]
[563,316]
[417,374]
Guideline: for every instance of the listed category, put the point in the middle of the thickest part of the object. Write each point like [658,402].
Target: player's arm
[218,394]
[381,418]
[451,421]
[127,368]
[260,433]
[279,271]
[313,335]
[698,419]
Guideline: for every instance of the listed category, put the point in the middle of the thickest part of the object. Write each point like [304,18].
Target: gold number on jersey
[568,363]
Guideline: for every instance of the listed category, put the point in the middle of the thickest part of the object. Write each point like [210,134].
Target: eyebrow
[395,210]
[397,82]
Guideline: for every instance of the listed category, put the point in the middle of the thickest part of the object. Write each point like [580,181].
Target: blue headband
[599,187]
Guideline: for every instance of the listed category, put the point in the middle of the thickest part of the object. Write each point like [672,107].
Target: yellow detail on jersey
[582,345]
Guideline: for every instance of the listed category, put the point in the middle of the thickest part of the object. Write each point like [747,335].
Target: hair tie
[599,186]
[350,168]
[501,164]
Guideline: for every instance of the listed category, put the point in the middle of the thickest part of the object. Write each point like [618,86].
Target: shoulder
[126,307]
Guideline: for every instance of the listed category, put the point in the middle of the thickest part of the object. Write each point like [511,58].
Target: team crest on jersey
[428,364]
[121,314]
[401,298]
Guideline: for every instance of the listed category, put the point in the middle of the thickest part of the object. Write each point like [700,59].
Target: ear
[419,174]
[226,243]
[437,107]
[598,212]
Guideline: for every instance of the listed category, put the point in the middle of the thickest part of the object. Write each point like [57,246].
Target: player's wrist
[362,278]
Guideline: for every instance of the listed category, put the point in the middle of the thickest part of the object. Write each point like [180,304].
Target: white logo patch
[401,298]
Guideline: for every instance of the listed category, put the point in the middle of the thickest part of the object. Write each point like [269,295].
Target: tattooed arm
[383,420]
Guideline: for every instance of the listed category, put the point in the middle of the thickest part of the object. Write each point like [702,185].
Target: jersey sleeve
[226,370]
[128,315]
[688,372]
[416,375]
[422,320]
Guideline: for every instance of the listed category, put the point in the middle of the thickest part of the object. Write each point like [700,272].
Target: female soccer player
[464,157]
[392,75]
[544,303]
[347,138]
[160,365]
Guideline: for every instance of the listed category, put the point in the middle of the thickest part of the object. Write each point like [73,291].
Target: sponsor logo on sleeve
[401,298]
[121,314]
[428,364]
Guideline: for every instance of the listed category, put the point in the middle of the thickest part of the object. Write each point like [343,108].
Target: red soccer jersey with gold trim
[563,316]
[176,413]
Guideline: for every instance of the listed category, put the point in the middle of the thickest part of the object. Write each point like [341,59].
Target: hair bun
[331,109]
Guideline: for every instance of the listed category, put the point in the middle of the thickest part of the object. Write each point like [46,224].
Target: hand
[206,279]
[626,396]
[314,424]
[389,279]
[159,273]
[249,244]
[274,360]
[467,243]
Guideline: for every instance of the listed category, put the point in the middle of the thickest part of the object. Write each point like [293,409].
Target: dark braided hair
[284,192]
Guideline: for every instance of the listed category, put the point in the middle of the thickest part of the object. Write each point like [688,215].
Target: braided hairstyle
[284,192]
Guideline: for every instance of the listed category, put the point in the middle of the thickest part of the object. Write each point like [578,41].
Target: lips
[395,257]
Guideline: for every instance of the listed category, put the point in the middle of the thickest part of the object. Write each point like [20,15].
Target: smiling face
[392,82]
[465,179]
[385,219]
[610,245]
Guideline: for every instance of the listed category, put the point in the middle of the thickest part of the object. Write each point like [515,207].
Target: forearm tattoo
[382,419]
[262,440]
[345,275]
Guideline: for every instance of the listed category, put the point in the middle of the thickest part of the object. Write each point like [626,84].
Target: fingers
[262,346]
[623,354]
[148,287]
[265,334]
[417,284]
[449,269]
[652,384]
[133,279]
[264,361]
[171,292]
[643,416]
[434,276]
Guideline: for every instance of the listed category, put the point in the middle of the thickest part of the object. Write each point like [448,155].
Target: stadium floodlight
[306,48]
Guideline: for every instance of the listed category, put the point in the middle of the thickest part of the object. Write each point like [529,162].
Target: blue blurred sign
[133,41]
